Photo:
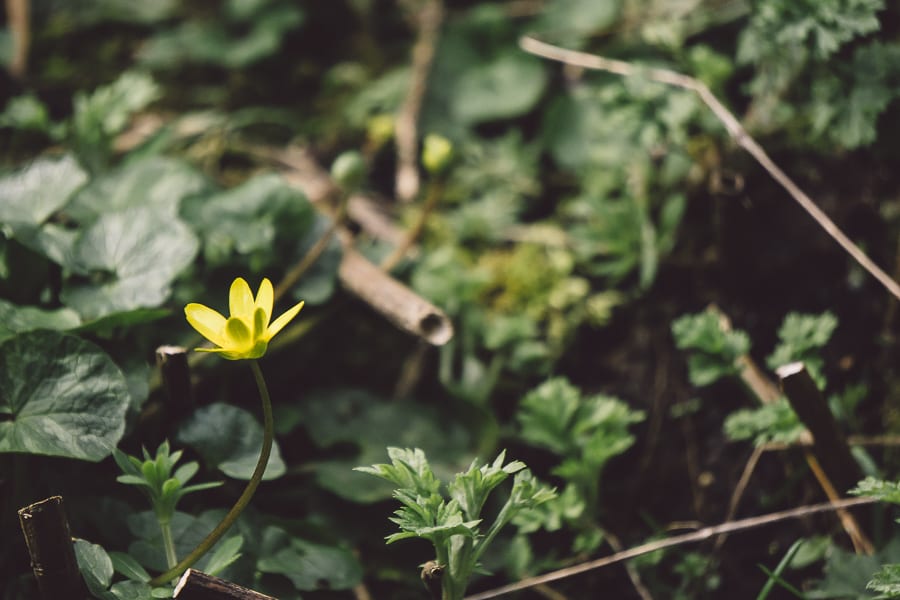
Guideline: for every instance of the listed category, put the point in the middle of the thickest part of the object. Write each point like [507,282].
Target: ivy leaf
[60,396]
[229,438]
[132,257]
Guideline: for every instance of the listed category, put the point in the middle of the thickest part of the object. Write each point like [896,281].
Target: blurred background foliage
[584,225]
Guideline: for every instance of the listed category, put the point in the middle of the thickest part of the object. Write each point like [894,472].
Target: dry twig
[678,540]
[732,125]
[428,20]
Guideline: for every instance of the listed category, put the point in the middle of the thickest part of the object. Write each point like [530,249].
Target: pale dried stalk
[18,14]
[696,536]
[732,125]
[428,20]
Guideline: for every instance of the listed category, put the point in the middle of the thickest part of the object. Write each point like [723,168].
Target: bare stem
[732,125]
[696,536]
[246,496]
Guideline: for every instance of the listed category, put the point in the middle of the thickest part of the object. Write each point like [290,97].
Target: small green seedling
[454,526]
[155,478]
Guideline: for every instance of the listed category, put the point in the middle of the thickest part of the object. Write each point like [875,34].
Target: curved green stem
[244,500]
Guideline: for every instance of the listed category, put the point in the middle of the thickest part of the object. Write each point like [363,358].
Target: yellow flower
[246,333]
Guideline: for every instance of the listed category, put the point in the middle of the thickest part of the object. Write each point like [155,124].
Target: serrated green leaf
[63,397]
[229,438]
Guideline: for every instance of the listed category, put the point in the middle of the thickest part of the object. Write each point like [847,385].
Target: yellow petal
[260,323]
[240,338]
[230,355]
[265,297]
[283,320]
[240,300]
[208,322]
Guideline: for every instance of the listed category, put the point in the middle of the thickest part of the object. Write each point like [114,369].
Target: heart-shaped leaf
[130,258]
[60,396]
[229,438]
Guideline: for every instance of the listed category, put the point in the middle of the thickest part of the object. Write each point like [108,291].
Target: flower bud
[349,169]
[437,152]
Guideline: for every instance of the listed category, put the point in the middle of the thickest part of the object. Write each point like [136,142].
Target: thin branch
[18,14]
[678,540]
[428,20]
[732,125]
[196,585]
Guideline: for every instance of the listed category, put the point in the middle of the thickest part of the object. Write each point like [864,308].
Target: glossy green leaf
[507,86]
[259,221]
[229,438]
[135,590]
[343,416]
[156,181]
[18,319]
[60,396]
[312,566]
[130,259]
[227,551]
[96,568]
[127,566]
[32,194]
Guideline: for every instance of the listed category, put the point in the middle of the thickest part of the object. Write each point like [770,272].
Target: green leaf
[212,42]
[775,422]
[227,551]
[127,566]
[19,319]
[350,416]
[312,566]
[105,112]
[546,415]
[28,197]
[801,336]
[63,397]
[156,181]
[261,220]
[95,566]
[886,581]
[133,256]
[714,349]
[575,19]
[229,438]
[886,491]
[136,590]
[505,86]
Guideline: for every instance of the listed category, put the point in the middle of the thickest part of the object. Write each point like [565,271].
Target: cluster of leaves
[716,351]
[566,197]
[453,526]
